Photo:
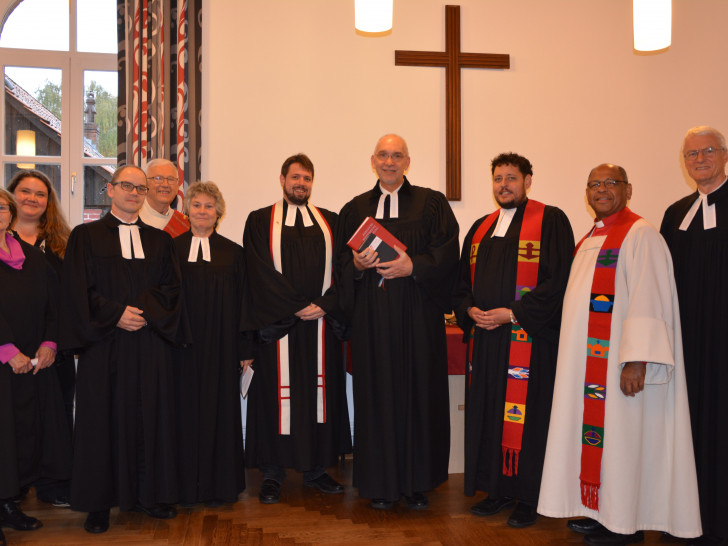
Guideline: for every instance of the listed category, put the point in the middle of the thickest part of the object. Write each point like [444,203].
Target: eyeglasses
[710,151]
[608,183]
[396,156]
[4,208]
[163,179]
[129,187]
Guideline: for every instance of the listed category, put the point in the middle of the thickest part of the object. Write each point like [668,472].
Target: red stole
[177,225]
[519,357]
[599,330]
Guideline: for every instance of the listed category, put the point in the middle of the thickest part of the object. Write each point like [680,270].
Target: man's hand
[20,363]
[399,267]
[311,312]
[366,259]
[491,319]
[132,319]
[632,379]
[245,364]
[46,356]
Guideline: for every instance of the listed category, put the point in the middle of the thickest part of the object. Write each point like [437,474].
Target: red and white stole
[284,383]
[519,356]
[601,304]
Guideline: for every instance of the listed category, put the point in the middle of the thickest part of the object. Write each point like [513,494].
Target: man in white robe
[647,475]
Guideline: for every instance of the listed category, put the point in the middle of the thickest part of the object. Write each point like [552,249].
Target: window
[59,109]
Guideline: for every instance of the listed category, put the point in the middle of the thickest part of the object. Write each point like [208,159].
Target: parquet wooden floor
[305,516]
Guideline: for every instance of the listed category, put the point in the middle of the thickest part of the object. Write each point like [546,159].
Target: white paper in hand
[245,380]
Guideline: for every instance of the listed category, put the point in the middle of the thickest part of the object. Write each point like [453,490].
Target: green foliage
[106,112]
[50,96]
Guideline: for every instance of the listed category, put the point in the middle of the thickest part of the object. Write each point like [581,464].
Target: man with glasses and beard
[297,409]
[513,273]
[120,313]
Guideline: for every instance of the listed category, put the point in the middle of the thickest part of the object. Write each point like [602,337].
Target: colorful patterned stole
[519,358]
[284,382]
[177,225]
[597,354]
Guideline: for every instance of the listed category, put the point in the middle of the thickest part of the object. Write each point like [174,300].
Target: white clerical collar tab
[198,242]
[291,215]
[709,217]
[393,203]
[129,238]
[504,222]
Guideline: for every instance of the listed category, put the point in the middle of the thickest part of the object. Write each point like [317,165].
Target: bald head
[391,161]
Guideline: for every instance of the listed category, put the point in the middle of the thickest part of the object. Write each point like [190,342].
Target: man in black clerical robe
[490,303]
[399,353]
[120,311]
[696,231]
[297,413]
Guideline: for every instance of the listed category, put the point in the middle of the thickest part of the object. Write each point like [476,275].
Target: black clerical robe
[275,298]
[700,258]
[35,440]
[539,313]
[207,373]
[399,352]
[124,441]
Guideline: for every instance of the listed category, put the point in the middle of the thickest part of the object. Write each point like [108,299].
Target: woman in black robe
[41,224]
[207,374]
[34,436]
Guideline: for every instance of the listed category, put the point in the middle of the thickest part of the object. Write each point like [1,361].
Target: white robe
[648,478]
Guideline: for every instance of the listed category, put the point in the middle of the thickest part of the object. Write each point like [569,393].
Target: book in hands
[372,234]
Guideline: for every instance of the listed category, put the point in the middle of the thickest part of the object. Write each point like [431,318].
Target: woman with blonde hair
[207,375]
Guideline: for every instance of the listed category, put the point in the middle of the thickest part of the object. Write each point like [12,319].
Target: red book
[371,234]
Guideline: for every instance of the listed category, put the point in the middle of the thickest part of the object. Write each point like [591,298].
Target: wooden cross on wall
[453,60]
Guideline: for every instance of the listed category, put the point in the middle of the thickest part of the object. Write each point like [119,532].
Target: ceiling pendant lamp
[373,15]
[652,24]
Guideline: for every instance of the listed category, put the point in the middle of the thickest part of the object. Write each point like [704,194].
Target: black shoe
[326,484]
[159,511]
[418,501]
[97,522]
[585,526]
[607,537]
[491,506]
[11,516]
[2,539]
[381,504]
[523,516]
[270,492]
[215,503]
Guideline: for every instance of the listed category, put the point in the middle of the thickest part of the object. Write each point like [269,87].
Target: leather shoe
[2,539]
[11,516]
[491,506]
[606,537]
[381,504]
[326,484]
[97,522]
[270,492]
[585,526]
[158,511]
[418,501]
[523,516]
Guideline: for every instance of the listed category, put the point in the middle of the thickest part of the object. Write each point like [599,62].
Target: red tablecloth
[456,351]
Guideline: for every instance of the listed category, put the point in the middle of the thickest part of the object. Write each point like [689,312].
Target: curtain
[160,82]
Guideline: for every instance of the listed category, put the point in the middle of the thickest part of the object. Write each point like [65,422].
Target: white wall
[283,76]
